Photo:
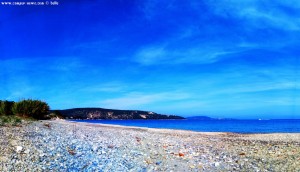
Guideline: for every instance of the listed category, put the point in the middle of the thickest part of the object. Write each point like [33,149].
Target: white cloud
[272,18]
[259,14]
[135,100]
[250,14]
[112,87]
[194,55]
[151,8]
[257,87]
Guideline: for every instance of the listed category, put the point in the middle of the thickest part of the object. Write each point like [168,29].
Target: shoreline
[203,126]
[182,130]
[142,128]
[76,146]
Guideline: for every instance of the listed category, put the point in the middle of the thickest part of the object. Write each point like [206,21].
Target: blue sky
[230,58]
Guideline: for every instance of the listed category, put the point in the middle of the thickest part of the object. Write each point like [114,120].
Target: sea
[212,125]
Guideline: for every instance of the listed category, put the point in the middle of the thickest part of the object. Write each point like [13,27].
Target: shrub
[17,121]
[31,108]
[5,119]
[5,107]
[10,120]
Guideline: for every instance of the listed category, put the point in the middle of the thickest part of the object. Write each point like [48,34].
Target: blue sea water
[237,126]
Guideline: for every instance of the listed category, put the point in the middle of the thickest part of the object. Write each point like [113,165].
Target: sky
[224,59]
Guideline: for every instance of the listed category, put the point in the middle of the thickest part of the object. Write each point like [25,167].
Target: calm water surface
[239,126]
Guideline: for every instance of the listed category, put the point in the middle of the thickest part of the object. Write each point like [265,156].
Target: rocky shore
[68,146]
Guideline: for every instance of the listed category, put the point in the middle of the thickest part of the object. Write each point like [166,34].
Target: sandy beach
[60,145]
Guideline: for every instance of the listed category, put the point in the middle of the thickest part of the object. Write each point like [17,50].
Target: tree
[6,107]
[31,108]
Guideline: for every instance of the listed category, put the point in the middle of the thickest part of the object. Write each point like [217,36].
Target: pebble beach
[60,145]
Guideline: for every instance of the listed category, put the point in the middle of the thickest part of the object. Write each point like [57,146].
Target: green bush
[6,120]
[31,108]
[10,120]
[5,107]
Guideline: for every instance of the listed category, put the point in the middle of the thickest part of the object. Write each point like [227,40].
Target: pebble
[158,162]
[216,164]
[27,151]
[90,148]
[19,149]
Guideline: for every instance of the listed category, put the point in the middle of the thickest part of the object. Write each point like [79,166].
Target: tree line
[28,108]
